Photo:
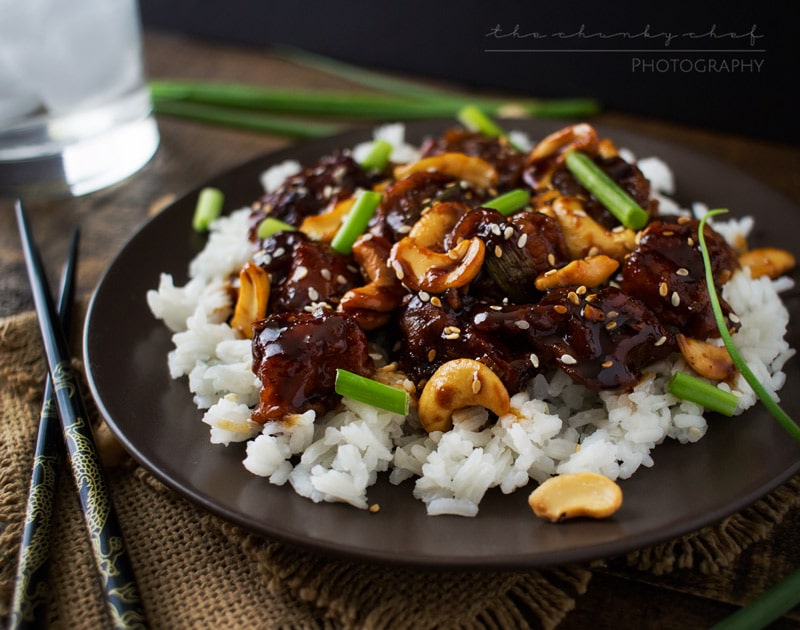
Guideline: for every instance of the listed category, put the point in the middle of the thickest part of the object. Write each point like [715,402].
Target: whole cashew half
[456,384]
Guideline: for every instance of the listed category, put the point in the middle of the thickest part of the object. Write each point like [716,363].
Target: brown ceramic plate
[690,486]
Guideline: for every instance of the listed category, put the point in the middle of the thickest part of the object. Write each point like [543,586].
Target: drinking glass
[75,111]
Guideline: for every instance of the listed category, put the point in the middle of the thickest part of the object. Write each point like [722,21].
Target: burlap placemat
[195,569]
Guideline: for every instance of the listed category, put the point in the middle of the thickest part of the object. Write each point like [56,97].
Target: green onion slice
[703,393]
[208,208]
[271,225]
[474,119]
[606,190]
[371,392]
[508,203]
[768,401]
[356,222]
[378,156]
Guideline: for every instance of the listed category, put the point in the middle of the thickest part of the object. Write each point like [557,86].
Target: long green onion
[775,602]
[244,119]
[355,222]
[337,103]
[703,393]
[576,107]
[617,201]
[208,208]
[371,392]
[378,156]
[768,401]
[508,203]
[270,226]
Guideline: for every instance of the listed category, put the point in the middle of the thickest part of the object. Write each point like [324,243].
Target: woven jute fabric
[196,570]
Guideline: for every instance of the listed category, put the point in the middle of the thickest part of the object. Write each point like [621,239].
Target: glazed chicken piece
[296,355]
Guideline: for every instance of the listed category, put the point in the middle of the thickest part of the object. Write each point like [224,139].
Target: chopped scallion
[606,190]
[208,208]
[271,225]
[378,156]
[703,393]
[475,120]
[371,392]
[508,203]
[767,400]
[355,222]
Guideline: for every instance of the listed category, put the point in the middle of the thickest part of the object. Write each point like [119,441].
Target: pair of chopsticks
[113,564]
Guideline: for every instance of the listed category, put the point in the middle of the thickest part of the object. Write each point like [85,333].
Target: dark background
[450,40]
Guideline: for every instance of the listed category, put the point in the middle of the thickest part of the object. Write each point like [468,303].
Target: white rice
[556,426]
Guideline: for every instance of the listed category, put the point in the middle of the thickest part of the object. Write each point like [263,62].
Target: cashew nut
[456,384]
[422,269]
[372,304]
[707,360]
[251,305]
[323,226]
[576,494]
[469,168]
[436,222]
[581,137]
[589,272]
[767,261]
[584,235]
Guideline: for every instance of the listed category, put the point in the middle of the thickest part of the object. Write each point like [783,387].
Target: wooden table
[189,153]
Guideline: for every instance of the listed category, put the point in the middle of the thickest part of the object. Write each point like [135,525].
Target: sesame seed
[675,300]
[573,297]
[403,229]
[498,251]
[325,273]
[617,229]
[508,232]
[449,330]
[476,385]
[522,324]
[398,270]
[300,273]
[480,318]
[690,242]
[495,229]
[661,341]
[593,251]
[431,355]
[568,359]
[611,325]
[682,271]
[279,252]
[734,318]
[581,290]
[663,289]
[560,309]
[341,279]
[534,360]
[579,213]
[550,272]
[496,307]
[436,301]
[424,296]
[451,336]
[313,294]
[551,259]
[522,240]
[668,233]
[612,314]
[606,364]
[684,220]
[375,508]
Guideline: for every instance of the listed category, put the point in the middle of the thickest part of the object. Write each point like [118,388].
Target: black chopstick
[113,563]
[30,588]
